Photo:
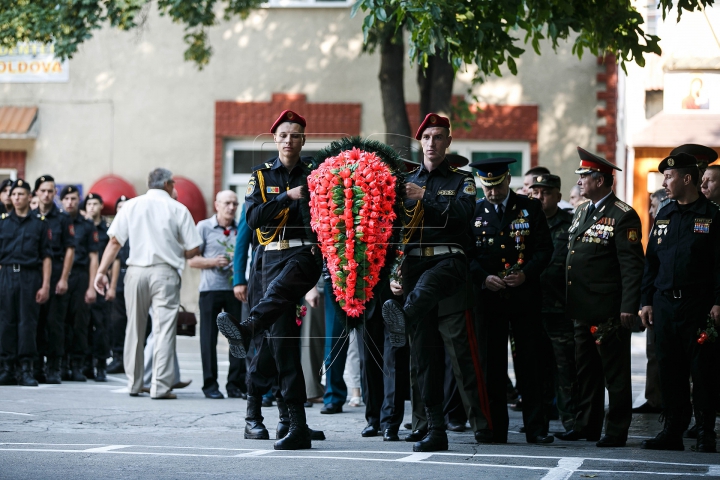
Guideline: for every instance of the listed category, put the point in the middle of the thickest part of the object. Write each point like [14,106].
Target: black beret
[5,183]
[20,183]
[43,179]
[546,180]
[121,198]
[68,189]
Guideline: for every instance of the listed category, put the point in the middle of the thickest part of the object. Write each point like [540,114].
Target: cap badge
[289,116]
[433,119]
[539,179]
[20,182]
[42,179]
[671,162]
[490,175]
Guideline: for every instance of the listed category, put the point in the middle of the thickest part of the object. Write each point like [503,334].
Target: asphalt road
[96,431]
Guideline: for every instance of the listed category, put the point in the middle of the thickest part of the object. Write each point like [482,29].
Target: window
[480,150]
[308,3]
[6,173]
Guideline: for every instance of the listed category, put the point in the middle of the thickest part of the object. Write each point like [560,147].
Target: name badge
[273,189]
[446,192]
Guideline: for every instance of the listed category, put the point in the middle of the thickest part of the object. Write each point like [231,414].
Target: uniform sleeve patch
[250,188]
[623,206]
[49,234]
[469,187]
[96,238]
[71,229]
[632,235]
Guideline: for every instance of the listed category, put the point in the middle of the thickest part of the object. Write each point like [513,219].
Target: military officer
[604,272]
[101,309]
[80,288]
[560,331]
[51,341]
[5,202]
[711,183]
[438,205]
[277,208]
[25,270]
[512,248]
[681,297]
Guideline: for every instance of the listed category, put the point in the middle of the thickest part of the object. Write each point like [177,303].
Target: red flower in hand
[226,232]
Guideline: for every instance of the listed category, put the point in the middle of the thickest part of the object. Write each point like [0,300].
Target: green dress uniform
[604,272]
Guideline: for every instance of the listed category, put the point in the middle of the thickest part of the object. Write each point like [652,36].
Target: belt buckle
[16,268]
[283,244]
[677,294]
[428,251]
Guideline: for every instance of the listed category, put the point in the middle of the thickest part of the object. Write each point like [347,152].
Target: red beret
[288,116]
[432,120]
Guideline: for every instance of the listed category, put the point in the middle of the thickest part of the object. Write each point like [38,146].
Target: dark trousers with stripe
[496,316]
[427,281]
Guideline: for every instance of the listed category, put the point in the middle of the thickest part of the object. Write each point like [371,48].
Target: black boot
[669,439]
[254,428]
[284,424]
[415,436]
[706,433]
[237,334]
[76,369]
[394,318]
[88,369]
[116,366]
[100,373]
[7,374]
[39,370]
[298,437]
[436,439]
[26,378]
[65,370]
[53,370]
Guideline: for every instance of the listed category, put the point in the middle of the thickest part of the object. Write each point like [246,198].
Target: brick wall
[494,123]
[607,81]
[248,119]
[13,159]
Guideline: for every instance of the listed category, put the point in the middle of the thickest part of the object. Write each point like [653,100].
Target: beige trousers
[158,287]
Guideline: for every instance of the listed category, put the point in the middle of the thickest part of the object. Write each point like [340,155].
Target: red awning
[190,195]
[110,188]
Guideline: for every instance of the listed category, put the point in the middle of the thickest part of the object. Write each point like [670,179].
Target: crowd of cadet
[567,287]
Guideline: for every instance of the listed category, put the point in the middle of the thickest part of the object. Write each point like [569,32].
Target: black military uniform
[118,318]
[100,313]
[604,272]
[78,316]
[290,269]
[513,235]
[3,185]
[560,348]
[682,284]
[436,240]
[24,245]
[51,337]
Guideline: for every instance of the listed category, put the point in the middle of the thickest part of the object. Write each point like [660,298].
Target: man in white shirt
[163,234]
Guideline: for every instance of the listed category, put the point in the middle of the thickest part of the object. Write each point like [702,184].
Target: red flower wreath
[351,207]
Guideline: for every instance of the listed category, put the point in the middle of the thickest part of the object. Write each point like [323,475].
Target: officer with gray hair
[163,234]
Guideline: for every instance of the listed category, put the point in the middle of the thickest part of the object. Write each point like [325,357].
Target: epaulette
[623,206]
[262,166]
[662,204]
[414,169]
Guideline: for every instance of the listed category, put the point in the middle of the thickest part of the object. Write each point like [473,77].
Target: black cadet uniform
[518,238]
[560,350]
[604,273]
[119,314]
[51,337]
[435,268]
[100,313]
[24,244]
[289,270]
[682,284]
[78,316]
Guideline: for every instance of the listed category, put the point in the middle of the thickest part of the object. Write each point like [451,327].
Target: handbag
[186,323]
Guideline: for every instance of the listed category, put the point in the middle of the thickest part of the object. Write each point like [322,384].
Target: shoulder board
[262,166]
[414,170]
[623,206]
[664,203]
[714,203]
[480,200]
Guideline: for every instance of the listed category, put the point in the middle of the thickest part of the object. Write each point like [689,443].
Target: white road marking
[106,448]
[18,413]
[565,468]
[415,457]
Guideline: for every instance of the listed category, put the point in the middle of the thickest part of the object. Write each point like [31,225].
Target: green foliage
[487,33]
[69,23]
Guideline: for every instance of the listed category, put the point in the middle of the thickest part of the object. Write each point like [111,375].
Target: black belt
[678,293]
[15,267]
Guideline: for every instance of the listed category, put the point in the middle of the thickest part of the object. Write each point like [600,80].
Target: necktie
[500,210]
[591,209]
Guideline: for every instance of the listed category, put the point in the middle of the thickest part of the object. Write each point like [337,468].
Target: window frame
[467,147]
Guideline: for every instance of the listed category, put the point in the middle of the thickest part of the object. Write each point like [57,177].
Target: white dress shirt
[159,228]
